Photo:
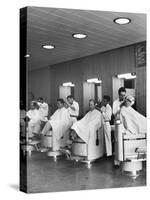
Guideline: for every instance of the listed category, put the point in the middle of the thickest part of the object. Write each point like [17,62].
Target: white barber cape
[60,122]
[88,125]
[35,121]
[132,121]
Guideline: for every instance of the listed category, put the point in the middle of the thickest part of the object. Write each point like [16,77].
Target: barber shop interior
[82,99]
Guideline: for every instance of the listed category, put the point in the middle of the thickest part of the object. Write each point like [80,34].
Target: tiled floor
[45,175]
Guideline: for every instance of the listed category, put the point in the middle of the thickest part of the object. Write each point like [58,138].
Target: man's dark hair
[61,100]
[40,98]
[121,89]
[70,96]
[35,104]
[107,98]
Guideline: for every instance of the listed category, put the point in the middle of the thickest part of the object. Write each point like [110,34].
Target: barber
[117,103]
[73,108]
[106,113]
[116,112]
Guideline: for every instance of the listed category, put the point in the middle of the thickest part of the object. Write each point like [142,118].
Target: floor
[45,175]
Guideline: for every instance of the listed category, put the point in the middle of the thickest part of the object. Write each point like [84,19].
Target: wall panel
[45,82]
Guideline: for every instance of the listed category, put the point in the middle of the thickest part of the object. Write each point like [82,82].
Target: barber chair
[28,145]
[130,150]
[88,153]
[31,143]
[47,141]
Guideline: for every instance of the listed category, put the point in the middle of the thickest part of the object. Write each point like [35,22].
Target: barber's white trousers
[107,134]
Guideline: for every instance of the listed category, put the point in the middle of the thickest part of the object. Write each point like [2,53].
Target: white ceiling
[56,26]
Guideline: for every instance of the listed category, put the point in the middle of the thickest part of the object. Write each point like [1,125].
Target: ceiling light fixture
[79,35]
[127,76]
[122,20]
[48,46]
[94,80]
[68,84]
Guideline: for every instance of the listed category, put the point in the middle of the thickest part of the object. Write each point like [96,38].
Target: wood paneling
[46,82]
[103,65]
[39,84]
[141,89]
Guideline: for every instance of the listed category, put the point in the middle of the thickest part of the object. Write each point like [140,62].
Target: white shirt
[106,112]
[43,108]
[76,111]
[116,106]
[34,115]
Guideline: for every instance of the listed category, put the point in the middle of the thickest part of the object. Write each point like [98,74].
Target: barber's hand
[66,105]
[103,109]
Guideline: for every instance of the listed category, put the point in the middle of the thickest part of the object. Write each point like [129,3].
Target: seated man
[132,120]
[59,123]
[87,126]
[34,118]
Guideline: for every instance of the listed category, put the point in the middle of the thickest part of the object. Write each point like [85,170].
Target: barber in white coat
[73,108]
[116,111]
[43,108]
[118,102]
[106,114]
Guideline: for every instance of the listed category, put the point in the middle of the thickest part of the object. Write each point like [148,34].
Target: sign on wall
[141,54]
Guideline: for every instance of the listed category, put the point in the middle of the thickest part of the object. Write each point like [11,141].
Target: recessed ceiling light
[68,84]
[122,20]
[127,76]
[94,80]
[79,35]
[27,56]
[48,46]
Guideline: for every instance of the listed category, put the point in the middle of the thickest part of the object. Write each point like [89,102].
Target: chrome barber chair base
[88,163]
[54,154]
[28,149]
[83,160]
[131,168]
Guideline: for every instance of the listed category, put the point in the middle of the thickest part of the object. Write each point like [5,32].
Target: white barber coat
[116,106]
[106,114]
[75,112]
[43,108]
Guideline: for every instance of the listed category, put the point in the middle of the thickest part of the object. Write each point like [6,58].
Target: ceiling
[56,26]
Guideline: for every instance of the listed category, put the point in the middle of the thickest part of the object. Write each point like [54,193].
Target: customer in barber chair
[34,120]
[59,123]
[87,126]
[132,120]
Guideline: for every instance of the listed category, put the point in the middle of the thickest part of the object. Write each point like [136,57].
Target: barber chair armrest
[130,136]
